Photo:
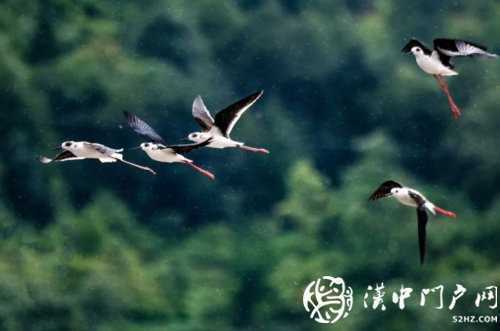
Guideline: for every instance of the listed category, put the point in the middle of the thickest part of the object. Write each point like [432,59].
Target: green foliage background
[86,246]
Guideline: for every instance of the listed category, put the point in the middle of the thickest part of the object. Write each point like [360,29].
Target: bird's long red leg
[455,111]
[445,212]
[254,149]
[201,170]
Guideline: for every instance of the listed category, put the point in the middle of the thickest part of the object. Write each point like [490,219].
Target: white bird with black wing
[80,150]
[219,129]
[437,62]
[410,197]
[158,150]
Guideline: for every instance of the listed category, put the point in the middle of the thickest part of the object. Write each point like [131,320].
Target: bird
[437,62]
[158,150]
[411,197]
[80,150]
[219,129]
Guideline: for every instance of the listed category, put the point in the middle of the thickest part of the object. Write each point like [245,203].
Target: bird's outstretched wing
[384,190]
[201,114]
[63,156]
[422,224]
[444,59]
[142,128]
[226,119]
[457,47]
[185,148]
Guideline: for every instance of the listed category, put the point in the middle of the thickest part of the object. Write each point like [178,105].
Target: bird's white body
[403,196]
[218,130]
[217,138]
[432,65]
[159,153]
[80,150]
[86,150]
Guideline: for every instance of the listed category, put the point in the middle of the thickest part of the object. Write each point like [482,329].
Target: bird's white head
[396,191]
[417,51]
[198,137]
[69,145]
[148,146]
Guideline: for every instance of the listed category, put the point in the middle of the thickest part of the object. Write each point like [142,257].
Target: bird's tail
[117,155]
[445,212]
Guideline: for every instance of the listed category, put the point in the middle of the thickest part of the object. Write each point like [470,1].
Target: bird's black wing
[445,59]
[415,43]
[201,114]
[226,119]
[457,47]
[419,200]
[185,148]
[384,190]
[422,224]
[63,156]
[142,128]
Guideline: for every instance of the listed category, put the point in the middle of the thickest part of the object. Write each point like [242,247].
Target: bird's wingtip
[128,115]
[198,102]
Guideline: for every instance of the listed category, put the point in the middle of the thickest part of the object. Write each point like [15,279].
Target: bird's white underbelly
[223,142]
[91,154]
[433,67]
[403,196]
[406,200]
[166,156]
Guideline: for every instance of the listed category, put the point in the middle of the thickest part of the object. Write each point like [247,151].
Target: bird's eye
[67,144]
[146,145]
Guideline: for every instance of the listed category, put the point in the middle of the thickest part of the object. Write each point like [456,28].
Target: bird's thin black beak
[186,140]
[136,147]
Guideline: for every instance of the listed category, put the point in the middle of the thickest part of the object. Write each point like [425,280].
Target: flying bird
[410,197]
[437,62]
[219,129]
[80,150]
[158,150]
